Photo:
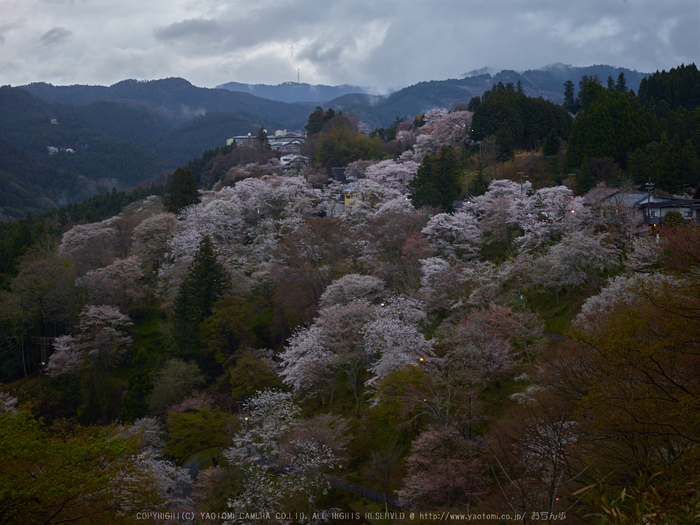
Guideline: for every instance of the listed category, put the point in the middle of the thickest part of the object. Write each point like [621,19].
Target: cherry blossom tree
[643,254]
[392,174]
[308,461]
[441,283]
[487,282]
[620,290]
[99,345]
[443,470]
[269,414]
[536,450]
[152,235]
[455,235]
[220,219]
[453,128]
[66,358]
[425,144]
[275,196]
[479,345]
[351,288]
[398,206]
[173,482]
[433,116]
[89,245]
[86,235]
[368,196]
[503,208]
[119,284]
[264,237]
[306,361]
[332,346]
[550,212]
[394,338]
[578,257]
[260,495]
[8,403]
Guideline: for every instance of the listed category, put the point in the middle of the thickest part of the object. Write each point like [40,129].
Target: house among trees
[293,161]
[284,142]
[655,212]
[243,140]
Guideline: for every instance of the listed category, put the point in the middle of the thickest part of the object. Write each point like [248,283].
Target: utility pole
[522,174]
[650,186]
[466,187]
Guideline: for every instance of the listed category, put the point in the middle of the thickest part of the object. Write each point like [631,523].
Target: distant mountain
[547,83]
[59,139]
[175,98]
[293,91]
[79,150]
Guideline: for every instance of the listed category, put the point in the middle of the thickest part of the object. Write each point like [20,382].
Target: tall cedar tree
[551,144]
[140,385]
[608,125]
[204,284]
[437,181]
[182,191]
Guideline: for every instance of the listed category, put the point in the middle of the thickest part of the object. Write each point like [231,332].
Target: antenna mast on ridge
[298,76]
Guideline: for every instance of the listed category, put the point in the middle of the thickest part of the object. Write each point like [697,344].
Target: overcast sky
[382,44]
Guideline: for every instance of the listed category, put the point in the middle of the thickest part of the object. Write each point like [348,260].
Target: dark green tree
[551,144]
[204,284]
[478,184]
[437,182]
[202,431]
[505,143]
[569,102]
[678,87]
[317,119]
[182,191]
[621,84]
[340,143]
[262,137]
[585,181]
[474,104]
[608,125]
[673,219]
[611,84]
[589,87]
[140,386]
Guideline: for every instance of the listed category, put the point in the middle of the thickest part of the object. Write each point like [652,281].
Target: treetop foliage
[182,191]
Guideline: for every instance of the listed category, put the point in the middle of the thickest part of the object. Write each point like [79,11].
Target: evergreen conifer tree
[140,386]
[585,181]
[551,144]
[569,102]
[204,284]
[182,191]
[621,84]
[437,181]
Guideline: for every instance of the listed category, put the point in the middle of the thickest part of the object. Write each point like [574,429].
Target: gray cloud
[189,29]
[55,36]
[385,44]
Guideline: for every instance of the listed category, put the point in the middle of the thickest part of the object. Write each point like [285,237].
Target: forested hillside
[403,345]
[456,331]
[176,97]
[53,154]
